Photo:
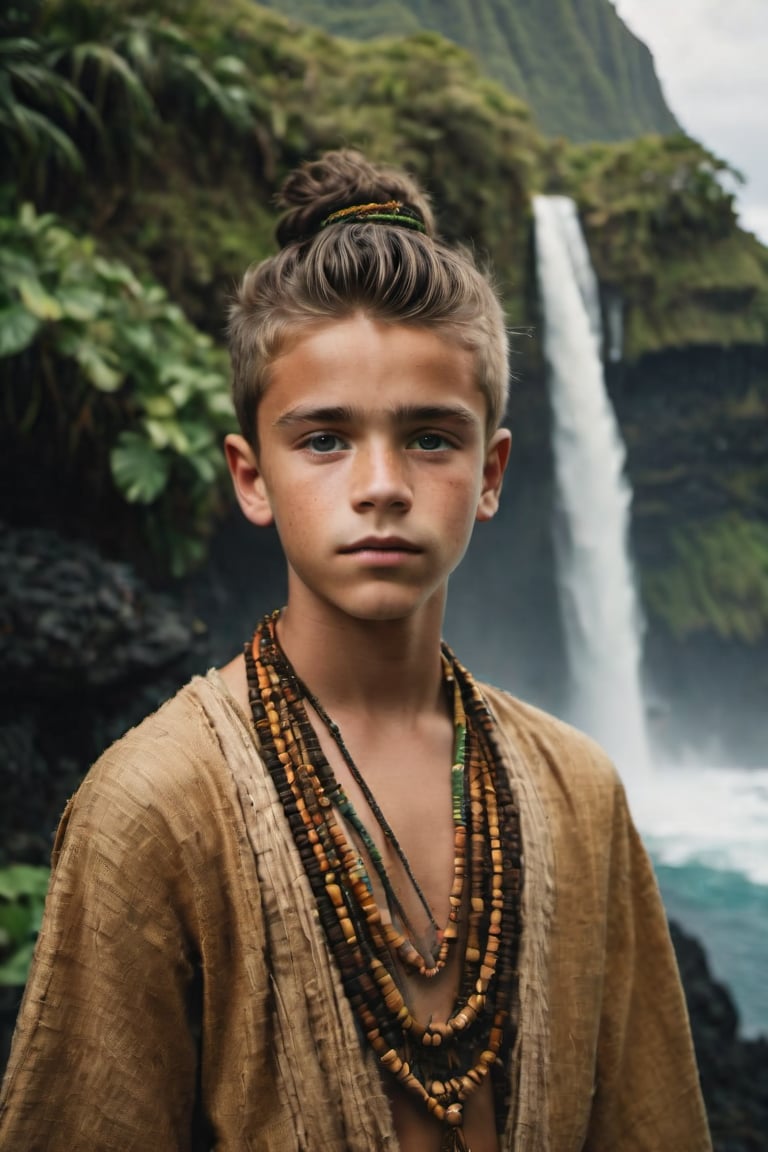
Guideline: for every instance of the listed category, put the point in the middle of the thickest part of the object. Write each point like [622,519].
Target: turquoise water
[729,915]
[707,833]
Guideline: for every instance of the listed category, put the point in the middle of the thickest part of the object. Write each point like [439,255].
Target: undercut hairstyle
[393,272]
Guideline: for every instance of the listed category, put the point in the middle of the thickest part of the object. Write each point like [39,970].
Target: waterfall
[601,616]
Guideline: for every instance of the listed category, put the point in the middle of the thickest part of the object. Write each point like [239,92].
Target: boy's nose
[380,479]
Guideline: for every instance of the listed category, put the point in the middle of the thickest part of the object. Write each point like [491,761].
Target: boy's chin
[391,608]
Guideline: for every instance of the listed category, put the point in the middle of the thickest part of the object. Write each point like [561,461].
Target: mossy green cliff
[577,65]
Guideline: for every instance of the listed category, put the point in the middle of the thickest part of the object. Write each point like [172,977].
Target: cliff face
[584,74]
[694,422]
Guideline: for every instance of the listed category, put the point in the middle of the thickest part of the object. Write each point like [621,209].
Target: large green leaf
[14,265]
[80,303]
[109,66]
[39,302]
[140,338]
[18,880]
[18,329]
[13,974]
[91,358]
[204,468]
[220,404]
[15,923]
[167,434]
[159,407]
[114,272]
[140,471]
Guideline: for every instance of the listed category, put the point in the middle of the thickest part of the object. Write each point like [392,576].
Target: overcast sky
[712,59]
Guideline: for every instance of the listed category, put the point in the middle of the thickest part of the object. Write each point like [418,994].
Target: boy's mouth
[380,544]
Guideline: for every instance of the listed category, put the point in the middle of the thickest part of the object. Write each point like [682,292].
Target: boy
[335,896]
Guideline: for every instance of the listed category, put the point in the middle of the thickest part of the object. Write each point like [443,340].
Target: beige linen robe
[183,998]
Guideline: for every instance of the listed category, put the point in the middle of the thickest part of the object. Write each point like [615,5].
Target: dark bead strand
[509,829]
[508,976]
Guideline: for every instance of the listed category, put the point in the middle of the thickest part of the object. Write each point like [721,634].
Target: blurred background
[608,161]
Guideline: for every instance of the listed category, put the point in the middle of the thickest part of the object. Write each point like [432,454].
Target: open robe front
[183,996]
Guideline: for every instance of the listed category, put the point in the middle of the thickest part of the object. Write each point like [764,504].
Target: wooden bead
[454,1115]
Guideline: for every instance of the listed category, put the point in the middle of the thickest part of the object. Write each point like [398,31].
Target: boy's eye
[430,441]
[324,442]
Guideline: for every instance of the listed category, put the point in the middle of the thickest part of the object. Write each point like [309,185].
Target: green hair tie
[389,212]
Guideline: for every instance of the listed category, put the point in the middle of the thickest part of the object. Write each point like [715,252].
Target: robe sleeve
[104,1056]
[647,1096]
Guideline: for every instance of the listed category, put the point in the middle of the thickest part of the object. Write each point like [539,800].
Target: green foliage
[718,580]
[672,185]
[660,219]
[22,897]
[139,68]
[89,348]
[39,109]
[88,88]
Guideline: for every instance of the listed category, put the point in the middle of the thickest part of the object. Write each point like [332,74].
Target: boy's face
[373,463]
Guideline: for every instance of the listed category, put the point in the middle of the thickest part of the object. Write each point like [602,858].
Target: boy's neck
[389,666]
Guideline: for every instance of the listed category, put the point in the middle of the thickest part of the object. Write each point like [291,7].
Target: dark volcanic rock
[734,1071]
[70,619]
[86,650]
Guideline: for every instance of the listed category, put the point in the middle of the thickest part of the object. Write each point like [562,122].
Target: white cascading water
[601,616]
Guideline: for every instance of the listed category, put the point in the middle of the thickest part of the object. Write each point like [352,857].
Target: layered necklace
[442,1063]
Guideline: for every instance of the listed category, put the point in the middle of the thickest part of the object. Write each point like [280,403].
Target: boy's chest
[401,791]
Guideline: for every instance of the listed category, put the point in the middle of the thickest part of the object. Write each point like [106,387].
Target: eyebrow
[402,414]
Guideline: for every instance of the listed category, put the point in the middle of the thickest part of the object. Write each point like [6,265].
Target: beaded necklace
[431,964]
[441,1063]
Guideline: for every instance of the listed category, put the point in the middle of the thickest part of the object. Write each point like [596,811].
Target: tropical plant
[38,111]
[141,68]
[91,88]
[22,898]
[112,376]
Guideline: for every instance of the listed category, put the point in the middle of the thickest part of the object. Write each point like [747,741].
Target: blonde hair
[391,273]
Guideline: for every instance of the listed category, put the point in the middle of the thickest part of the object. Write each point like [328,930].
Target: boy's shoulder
[562,760]
[568,789]
[174,741]
[167,771]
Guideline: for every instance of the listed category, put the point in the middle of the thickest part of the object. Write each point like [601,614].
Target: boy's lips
[394,545]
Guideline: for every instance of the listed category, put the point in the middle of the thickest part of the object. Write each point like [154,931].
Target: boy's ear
[496,458]
[248,481]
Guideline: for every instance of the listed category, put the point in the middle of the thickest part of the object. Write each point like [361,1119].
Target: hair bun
[339,180]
